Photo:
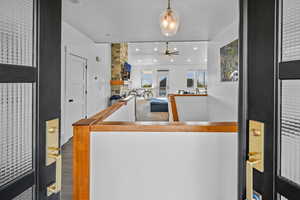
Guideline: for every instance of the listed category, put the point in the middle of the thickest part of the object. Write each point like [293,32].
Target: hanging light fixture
[169,21]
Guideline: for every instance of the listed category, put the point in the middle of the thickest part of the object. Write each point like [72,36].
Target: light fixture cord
[169,4]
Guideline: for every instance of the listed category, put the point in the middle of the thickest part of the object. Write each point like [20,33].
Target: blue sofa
[159,105]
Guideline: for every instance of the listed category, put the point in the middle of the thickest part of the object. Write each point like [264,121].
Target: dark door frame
[257,88]
[49,87]
[259,84]
[242,101]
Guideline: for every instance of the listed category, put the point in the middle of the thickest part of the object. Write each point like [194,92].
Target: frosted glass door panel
[290,130]
[16,135]
[16,32]
[291,30]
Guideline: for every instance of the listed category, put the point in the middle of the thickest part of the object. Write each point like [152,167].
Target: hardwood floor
[66,193]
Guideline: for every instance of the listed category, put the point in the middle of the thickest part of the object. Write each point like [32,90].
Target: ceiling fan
[168,52]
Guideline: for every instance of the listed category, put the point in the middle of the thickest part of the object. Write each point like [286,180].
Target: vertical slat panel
[16,136]
[291,30]
[17,105]
[16,32]
[290,130]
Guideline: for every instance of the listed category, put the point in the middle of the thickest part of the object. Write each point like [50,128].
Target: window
[163,82]
[201,79]
[147,79]
[190,79]
[196,79]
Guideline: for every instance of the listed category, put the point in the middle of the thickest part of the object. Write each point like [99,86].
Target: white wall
[228,175]
[192,108]
[125,113]
[98,90]
[222,96]
[160,166]
[177,75]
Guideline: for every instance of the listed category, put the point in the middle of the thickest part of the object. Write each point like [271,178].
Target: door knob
[71,100]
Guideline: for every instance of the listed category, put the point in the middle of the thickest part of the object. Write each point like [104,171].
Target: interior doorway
[75,91]
[163,82]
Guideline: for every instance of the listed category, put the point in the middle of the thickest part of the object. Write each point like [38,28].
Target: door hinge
[86,92]
[86,66]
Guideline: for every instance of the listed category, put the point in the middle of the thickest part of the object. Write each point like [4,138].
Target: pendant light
[169,21]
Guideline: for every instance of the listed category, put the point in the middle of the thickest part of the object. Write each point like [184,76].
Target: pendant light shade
[169,21]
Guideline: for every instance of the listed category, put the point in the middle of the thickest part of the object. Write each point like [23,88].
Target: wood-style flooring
[66,192]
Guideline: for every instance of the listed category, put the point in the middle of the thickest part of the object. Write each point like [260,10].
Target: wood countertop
[165,127]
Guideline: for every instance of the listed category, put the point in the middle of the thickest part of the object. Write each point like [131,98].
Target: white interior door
[162,83]
[76,91]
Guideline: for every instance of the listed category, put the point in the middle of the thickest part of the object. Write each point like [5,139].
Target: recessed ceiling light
[189,60]
[139,61]
[175,49]
[172,60]
[154,60]
[205,60]
[137,49]
[195,48]
[155,49]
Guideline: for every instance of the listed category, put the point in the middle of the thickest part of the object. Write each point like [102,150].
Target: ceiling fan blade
[174,53]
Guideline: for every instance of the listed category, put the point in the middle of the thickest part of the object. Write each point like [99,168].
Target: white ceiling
[138,20]
[151,54]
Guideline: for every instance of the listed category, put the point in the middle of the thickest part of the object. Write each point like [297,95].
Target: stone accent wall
[119,55]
